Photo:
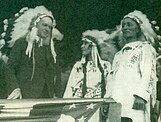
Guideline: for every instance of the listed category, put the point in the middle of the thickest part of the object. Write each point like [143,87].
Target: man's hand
[139,103]
[16,94]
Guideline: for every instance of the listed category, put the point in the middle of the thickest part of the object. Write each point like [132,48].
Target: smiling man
[134,69]
[30,71]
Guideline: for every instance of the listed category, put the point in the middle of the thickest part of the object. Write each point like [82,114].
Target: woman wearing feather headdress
[30,71]
[88,76]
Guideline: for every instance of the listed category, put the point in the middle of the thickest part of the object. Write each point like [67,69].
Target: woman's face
[86,47]
[130,28]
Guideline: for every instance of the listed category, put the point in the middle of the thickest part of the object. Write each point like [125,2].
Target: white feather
[22,24]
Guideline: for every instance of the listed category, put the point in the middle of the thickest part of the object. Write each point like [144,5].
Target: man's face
[44,27]
[130,28]
[86,47]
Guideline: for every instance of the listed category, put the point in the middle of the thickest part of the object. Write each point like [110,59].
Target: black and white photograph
[80,61]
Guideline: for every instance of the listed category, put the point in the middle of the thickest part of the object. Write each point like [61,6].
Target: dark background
[75,16]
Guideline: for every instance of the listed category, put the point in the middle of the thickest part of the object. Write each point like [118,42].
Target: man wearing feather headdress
[134,69]
[31,68]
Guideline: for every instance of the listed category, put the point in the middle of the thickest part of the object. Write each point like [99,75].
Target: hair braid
[103,88]
[84,88]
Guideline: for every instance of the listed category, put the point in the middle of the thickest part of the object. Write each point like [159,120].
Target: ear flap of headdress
[31,37]
[56,35]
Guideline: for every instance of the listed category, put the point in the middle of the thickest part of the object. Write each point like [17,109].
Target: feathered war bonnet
[25,25]
[3,42]
[4,37]
[145,25]
[96,38]
[148,29]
